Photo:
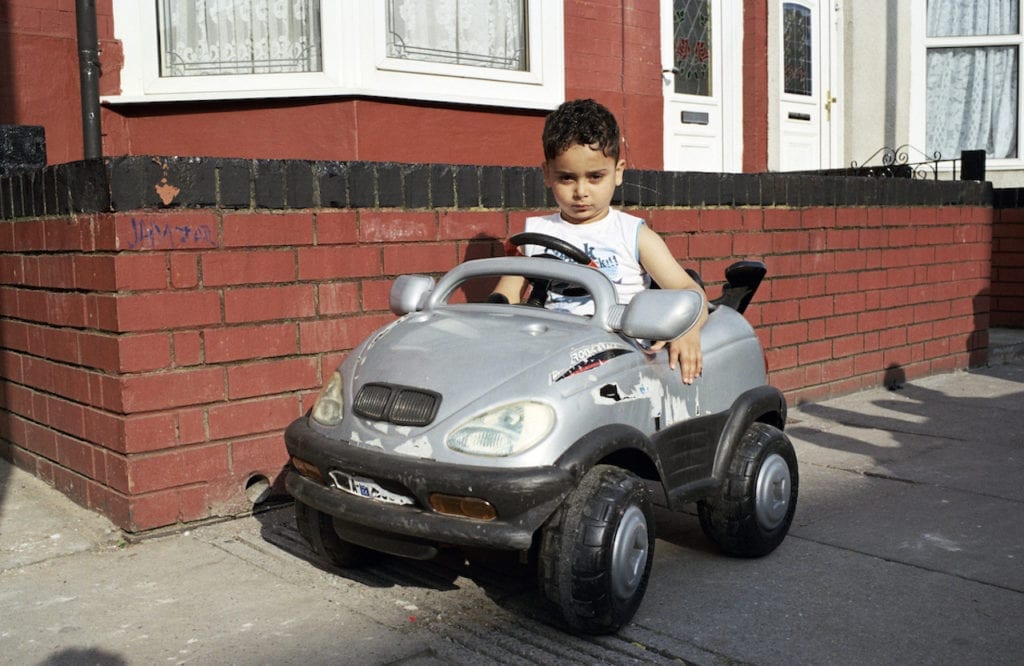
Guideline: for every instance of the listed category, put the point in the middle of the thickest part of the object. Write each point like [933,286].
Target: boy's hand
[685,352]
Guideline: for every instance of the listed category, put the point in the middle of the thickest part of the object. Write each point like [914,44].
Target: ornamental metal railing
[906,161]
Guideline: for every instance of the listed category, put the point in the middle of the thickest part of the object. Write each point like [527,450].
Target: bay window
[493,52]
[971,77]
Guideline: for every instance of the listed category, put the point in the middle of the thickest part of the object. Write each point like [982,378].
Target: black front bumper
[523,498]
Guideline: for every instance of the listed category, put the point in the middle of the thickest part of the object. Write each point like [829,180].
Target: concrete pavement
[907,546]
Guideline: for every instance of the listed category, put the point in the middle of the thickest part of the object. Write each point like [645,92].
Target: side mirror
[662,314]
[409,293]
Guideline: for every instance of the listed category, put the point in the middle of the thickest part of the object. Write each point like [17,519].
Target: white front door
[809,121]
[700,51]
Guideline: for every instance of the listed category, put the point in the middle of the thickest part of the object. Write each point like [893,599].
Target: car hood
[464,353]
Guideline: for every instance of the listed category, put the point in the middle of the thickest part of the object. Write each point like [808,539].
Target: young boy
[582,168]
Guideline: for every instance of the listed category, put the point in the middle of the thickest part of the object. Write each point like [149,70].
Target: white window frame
[355,63]
[919,90]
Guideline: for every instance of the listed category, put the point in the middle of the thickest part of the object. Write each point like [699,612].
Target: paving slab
[37,523]
[815,603]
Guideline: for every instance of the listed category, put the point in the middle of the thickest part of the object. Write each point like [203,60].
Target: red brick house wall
[612,54]
[755,86]
[151,357]
[39,70]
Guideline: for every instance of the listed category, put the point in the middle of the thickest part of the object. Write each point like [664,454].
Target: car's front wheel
[752,510]
[596,551]
[318,529]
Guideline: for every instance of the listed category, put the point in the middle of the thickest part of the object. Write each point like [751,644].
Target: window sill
[538,102]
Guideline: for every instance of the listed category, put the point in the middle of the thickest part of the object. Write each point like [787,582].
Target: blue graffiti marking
[153,235]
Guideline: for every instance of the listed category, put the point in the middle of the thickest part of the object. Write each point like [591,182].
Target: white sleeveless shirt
[613,244]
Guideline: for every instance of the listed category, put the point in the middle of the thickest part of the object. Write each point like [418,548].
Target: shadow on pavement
[79,656]
[913,428]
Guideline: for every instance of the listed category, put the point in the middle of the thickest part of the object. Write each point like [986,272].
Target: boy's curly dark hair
[581,121]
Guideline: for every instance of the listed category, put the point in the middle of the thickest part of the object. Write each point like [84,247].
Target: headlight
[328,410]
[504,431]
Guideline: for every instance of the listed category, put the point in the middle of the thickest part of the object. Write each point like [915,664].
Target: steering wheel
[551,243]
[540,287]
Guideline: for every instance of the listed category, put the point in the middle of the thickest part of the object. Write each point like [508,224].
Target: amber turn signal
[465,507]
[307,469]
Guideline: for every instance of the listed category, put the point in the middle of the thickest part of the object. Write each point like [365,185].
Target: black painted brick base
[132,182]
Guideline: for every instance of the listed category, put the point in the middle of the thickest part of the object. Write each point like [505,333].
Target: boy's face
[583,181]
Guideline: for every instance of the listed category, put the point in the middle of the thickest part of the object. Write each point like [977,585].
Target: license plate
[363,487]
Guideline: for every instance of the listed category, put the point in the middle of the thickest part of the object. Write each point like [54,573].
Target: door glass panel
[956,18]
[796,49]
[691,22]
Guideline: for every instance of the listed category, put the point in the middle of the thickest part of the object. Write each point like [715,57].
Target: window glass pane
[691,21]
[477,33]
[957,18]
[203,37]
[796,49]
[972,101]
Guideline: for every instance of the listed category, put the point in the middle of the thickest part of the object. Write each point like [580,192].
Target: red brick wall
[151,360]
[1008,268]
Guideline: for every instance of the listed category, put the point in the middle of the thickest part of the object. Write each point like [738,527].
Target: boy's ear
[619,168]
[547,175]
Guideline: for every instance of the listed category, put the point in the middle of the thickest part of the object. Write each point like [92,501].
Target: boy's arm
[511,287]
[657,260]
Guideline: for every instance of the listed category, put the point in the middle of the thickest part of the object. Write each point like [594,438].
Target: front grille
[396,404]
[372,401]
[413,408]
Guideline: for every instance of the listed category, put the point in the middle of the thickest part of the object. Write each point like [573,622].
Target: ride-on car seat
[741,281]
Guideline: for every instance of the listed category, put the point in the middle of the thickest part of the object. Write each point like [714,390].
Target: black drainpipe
[89,77]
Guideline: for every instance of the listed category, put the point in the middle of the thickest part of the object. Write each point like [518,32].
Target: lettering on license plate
[357,485]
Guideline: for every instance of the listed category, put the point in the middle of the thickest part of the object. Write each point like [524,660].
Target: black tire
[318,529]
[751,512]
[596,551]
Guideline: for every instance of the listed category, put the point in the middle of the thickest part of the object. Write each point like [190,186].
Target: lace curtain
[202,37]
[479,33]
[972,91]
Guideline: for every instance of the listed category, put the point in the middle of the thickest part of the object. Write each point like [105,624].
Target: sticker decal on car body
[589,357]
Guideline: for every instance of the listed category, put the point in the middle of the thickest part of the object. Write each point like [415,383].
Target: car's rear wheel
[318,529]
[596,551]
[751,512]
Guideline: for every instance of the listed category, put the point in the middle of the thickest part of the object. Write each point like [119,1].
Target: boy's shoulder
[624,218]
[615,216]
[554,218]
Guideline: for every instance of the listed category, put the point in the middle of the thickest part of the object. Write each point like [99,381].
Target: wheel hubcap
[629,553]
[773,484]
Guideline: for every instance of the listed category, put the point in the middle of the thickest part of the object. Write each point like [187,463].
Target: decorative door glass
[796,49]
[692,52]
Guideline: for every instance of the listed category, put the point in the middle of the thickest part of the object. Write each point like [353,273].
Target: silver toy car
[515,427]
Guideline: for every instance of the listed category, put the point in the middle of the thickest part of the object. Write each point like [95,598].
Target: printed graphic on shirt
[604,258]
[570,298]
